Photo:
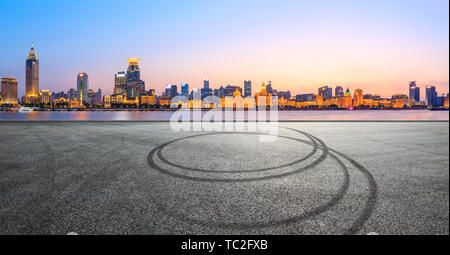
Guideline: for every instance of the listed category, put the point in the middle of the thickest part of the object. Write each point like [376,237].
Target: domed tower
[32,78]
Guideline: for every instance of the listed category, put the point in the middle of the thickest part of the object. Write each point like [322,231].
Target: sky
[378,46]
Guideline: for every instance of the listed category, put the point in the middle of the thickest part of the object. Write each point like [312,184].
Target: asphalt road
[143,178]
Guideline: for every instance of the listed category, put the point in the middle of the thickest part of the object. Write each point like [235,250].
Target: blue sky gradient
[299,45]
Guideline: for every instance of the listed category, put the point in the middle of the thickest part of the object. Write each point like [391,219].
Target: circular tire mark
[322,157]
[355,227]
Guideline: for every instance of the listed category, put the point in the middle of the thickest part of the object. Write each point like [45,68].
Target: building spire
[32,53]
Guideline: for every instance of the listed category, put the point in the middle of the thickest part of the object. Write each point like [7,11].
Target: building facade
[247,88]
[45,97]
[83,87]
[9,91]
[414,92]
[120,83]
[135,86]
[32,78]
[430,95]
[185,90]
[339,91]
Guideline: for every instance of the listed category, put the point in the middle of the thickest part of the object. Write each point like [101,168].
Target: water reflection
[282,115]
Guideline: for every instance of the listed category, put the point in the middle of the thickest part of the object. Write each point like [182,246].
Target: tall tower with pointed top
[32,78]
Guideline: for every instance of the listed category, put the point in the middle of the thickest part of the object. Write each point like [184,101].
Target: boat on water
[25,109]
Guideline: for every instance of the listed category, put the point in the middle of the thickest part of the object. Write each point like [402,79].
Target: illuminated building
[339,91]
[269,87]
[61,101]
[440,101]
[72,94]
[45,97]
[83,87]
[171,91]
[285,94]
[206,91]
[414,92]
[120,83]
[263,94]
[148,100]
[229,90]
[358,98]
[400,101]
[346,100]
[305,97]
[164,101]
[325,92]
[446,103]
[247,88]
[319,100]
[430,95]
[9,91]
[32,78]
[135,86]
[185,89]
[95,98]
[75,103]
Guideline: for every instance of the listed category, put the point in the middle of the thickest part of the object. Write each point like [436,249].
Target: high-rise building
[120,83]
[440,100]
[185,90]
[414,92]
[206,84]
[9,91]
[72,94]
[206,91]
[135,86]
[133,71]
[358,97]
[171,91]
[269,88]
[99,96]
[247,88]
[339,91]
[45,97]
[32,78]
[430,95]
[325,92]
[83,87]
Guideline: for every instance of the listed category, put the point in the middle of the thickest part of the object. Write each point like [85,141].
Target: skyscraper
[339,91]
[414,92]
[247,88]
[171,91]
[269,88]
[325,92]
[83,87]
[120,83]
[32,78]
[358,97]
[206,91]
[135,86]
[185,90]
[430,95]
[9,91]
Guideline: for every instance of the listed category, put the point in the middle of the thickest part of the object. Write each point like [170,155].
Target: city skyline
[390,45]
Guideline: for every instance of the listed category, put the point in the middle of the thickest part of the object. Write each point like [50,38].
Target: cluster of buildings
[130,92]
